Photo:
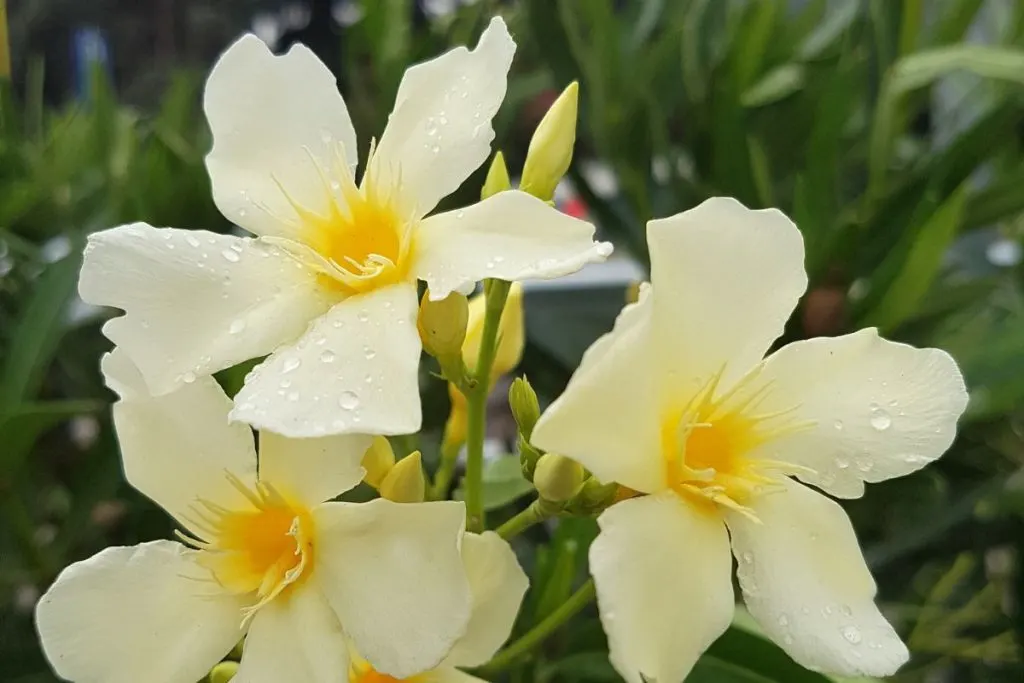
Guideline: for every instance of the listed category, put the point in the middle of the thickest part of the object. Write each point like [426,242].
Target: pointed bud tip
[522,399]
[378,460]
[550,151]
[223,672]
[497,179]
[405,483]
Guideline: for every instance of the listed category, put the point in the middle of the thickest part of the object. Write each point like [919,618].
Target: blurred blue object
[89,51]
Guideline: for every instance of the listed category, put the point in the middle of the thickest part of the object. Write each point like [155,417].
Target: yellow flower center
[263,549]
[360,241]
[360,671]
[710,445]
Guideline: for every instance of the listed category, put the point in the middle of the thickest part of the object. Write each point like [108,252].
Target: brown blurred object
[824,311]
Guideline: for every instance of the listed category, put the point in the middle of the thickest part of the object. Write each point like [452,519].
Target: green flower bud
[522,399]
[528,457]
[593,497]
[442,326]
[405,482]
[223,672]
[550,150]
[557,478]
[497,178]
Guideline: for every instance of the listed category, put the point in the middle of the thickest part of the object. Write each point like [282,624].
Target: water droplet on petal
[846,611]
[327,356]
[290,364]
[748,557]
[237,326]
[348,400]
[787,639]
[192,241]
[783,620]
[852,634]
[285,383]
[188,377]
[338,324]
[369,353]
[838,424]
[241,213]
[363,317]
[435,149]
[880,419]
[230,255]
[842,463]
[460,214]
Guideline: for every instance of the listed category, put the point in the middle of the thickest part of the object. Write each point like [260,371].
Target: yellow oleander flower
[679,404]
[327,287]
[264,555]
[498,584]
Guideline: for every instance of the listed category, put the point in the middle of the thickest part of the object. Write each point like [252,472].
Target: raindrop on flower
[842,463]
[230,255]
[291,364]
[241,213]
[369,353]
[363,317]
[188,377]
[845,609]
[285,383]
[852,634]
[348,400]
[783,620]
[192,241]
[327,356]
[838,424]
[748,557]
[880,419]
[237,326]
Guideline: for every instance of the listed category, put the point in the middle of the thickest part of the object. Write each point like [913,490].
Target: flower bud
[442,325]
[557,478]
[378,460]
[405,482]
[522,399]
[497,178]
[550,150]
[223,672]
[528,457]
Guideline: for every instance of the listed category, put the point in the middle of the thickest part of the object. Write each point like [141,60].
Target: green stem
[496,291]
[445,470]
[537,512]
[577,601]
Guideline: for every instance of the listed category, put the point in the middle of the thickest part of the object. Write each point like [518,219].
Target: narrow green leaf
[921,266]
[777,84]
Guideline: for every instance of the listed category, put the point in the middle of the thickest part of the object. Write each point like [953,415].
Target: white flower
[498,585]
[676,402]
[264,556]
[328,286]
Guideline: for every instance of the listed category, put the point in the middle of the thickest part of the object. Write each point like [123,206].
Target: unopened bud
[550,150]
[405,482]
[497,178]
[378,460]
[442,325]
[522,399]
[223,672]
[557,478]
[633,292]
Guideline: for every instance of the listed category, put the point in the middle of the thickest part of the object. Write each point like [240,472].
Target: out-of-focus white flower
[498,584]
[679,403]
[328,286]
[265,555]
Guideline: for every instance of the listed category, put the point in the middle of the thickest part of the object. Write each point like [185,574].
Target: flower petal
[176,448]
[297,638]
[664,585]
[876,409]
[511,236]
[440,129]
[607,417]
[725,280]
[805,581]
[354,371]
[447,674]
[274,120]
[196,302]
[394,575]
[498,584]
[312,470]
[142,613]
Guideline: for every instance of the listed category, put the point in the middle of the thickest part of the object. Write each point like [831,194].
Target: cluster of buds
[559,481]
[400,481]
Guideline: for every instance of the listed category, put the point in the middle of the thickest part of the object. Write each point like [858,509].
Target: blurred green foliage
[888,130]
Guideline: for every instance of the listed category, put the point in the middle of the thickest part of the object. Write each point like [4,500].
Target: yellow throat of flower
[264,548]
[361,671]
[361,241]
[710,445]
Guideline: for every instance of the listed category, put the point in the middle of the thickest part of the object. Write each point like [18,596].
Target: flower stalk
[535,513]
[495,291]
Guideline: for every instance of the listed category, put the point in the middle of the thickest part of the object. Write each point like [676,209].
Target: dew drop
[335,185]
[787,639]
[285,383]
[188,377]
[748,557]
[192,241]
[338,424]
[499,259]
[368,379]
[338,324]
[363,317]
[327,356]
[838,424]
[290,364]
[880,419]
[369,353]
[852,634]
[237,326]
[325,136]
[435,149]
[783,620]
[348,400]
[846,611]
[230,255]
[842,463]
[241,213]
[460,214]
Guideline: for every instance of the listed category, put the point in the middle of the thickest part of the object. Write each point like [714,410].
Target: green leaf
[921,265]
[777,84]
[38,330]
[1002,199]
[503,483]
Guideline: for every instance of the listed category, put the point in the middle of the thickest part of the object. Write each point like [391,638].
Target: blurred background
[891,131]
